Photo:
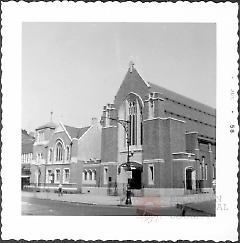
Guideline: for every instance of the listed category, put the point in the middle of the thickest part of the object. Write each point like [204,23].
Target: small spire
[51,115]
[131,65]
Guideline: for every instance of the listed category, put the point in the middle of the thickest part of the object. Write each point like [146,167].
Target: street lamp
[127,167]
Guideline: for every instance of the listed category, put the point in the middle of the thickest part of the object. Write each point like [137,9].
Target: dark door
[189,179]
[136,182]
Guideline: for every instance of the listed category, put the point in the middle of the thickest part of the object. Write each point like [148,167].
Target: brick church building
[172,145]
[172,139]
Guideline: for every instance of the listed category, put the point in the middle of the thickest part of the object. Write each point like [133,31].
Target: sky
[74,69]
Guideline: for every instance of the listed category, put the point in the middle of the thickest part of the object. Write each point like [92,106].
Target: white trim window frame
[68,153]
[90,175]
[105,174]
[85,175]
[202,165]
[94,174]
[59,151]
[57,177]
[66,180]
[151,174]
[214,171]
[49,176]
[206,171]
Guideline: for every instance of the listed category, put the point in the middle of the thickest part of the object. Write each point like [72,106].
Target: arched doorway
[135,170]
[190,178]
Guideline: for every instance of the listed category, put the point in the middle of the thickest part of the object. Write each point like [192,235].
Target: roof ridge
[76,127]
[182,96]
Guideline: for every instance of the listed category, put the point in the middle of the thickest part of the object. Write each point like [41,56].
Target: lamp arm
[122,122]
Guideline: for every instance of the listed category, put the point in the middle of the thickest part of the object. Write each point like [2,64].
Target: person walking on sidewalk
[60,189]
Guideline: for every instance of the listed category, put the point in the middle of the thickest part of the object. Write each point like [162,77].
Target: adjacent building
[60,152]
[26,157]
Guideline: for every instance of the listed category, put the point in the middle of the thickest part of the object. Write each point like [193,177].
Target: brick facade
[176,136]
[64,152]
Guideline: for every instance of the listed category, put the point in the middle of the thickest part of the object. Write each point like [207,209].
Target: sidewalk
[164,201]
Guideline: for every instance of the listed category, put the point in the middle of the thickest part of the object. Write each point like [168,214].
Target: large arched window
[94,175]
[131,110]
[85,175]
[59,151]
[90,175]
[68,155]
[133,122]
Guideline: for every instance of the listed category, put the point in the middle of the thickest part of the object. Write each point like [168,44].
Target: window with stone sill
[40,136]
[202,168]
[105,172]
[84,175]
[57,175]
[206,171]
[68,153]
[94,175]
[214,171]
[59,151]
[66,176]
[131,110]
[150,174]
[49,176]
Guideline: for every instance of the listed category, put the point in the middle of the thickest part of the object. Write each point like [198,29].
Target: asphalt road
[36,206]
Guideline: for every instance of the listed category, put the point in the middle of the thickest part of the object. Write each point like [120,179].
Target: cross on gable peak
[131,65]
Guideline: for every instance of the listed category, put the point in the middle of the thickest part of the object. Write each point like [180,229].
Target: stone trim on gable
[164,118]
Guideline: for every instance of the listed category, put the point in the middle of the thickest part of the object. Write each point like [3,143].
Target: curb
[76,202]
[175,204]
[184,207]
[97,204]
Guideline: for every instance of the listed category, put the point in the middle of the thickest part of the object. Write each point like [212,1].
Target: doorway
[136,181]
[190,178]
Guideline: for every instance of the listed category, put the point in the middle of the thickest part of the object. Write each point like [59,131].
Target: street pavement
[209,207]
[46,207]
[42,203]
[36,206]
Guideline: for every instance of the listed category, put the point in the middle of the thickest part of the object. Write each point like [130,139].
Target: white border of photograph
[221,227]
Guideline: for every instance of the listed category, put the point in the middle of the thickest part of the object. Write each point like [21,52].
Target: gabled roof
[51,125]
[75,132]
[198,116]
[27,138]
[182,99]
[132,82]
